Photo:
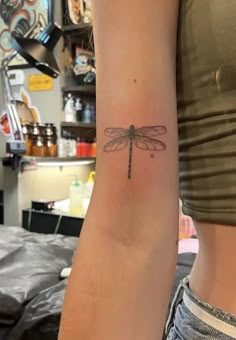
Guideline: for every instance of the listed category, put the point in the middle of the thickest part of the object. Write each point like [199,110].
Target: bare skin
[213,276]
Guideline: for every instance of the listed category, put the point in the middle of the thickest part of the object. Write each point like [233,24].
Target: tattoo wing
[115,132]
[116,144]
[146,143]
[151,131]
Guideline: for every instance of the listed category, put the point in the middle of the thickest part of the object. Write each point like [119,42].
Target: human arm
[124,267]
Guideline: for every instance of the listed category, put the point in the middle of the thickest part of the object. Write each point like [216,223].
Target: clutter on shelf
[40,139]
[77,11]
[78,110]
[84,67]
[71,146]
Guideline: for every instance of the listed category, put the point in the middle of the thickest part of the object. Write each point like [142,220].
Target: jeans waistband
[213,317]
[208,318]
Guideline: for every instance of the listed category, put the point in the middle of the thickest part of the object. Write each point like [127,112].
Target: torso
[206,92]
[213,277]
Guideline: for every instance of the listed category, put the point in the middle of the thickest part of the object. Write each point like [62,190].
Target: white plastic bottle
[61,148]
[88,190]
[70,112]
[76,197]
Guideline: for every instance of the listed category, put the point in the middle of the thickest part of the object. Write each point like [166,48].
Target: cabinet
[79,41]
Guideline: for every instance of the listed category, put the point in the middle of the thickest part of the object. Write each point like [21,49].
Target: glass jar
[42,129]
[27,137]
[35,130]
[51,147]
[39,148]
[50,130]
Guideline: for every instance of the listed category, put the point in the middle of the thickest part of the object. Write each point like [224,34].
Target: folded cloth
[41,318]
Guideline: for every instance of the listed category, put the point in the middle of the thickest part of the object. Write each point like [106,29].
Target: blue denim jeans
[192,319]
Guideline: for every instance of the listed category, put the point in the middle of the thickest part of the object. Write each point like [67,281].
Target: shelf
[55,159]
[84,89]
[78,125]
[67,29]
[30,161]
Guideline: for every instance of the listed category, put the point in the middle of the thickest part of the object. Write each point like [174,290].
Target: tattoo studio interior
[48,159]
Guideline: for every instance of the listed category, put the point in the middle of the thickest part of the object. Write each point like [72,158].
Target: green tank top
[206,93]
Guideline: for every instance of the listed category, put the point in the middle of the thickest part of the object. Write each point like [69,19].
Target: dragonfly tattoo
[142,138]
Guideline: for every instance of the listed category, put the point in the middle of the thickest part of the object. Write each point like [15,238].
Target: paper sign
[40,82]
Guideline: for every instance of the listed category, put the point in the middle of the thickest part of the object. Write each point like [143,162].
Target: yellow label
[40,82]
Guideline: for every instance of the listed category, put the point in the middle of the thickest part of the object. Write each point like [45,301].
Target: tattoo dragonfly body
[142,138]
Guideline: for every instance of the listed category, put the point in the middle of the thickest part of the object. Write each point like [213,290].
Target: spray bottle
[88,189]
[76,198]
[70,113]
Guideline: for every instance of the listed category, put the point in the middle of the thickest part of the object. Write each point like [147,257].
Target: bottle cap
[91,177]
[76,182]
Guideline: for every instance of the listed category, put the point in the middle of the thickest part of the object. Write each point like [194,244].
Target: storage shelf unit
[81,33]
[39,160]
[76,129]
[78,35]
[83,89]
[35,162]
[78,125]
[69,29]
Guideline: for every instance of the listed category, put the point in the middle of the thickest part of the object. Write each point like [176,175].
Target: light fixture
[38,52]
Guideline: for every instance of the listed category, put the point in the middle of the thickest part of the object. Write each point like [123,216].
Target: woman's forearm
[123,270]
[124,267]
[120,286]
